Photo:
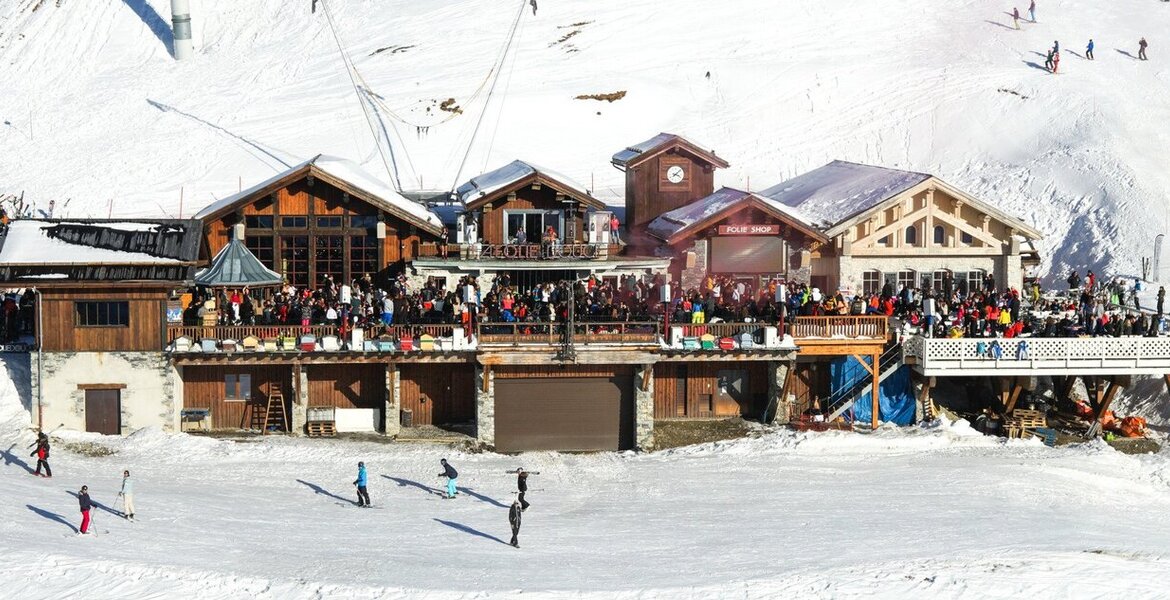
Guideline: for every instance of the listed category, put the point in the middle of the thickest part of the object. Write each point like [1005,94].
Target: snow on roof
[670,223]
[840,189]
[27,243]
[632,153]
[507,175]
[344,170]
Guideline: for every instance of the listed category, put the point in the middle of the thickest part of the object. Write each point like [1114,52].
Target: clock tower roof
[663,142]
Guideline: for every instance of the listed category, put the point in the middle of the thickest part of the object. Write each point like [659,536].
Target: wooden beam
[1016,389]
[1107,400]
[487,371]
[101,386]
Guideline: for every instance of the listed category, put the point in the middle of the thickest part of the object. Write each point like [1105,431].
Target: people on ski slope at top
[360,482]
[450,473]
[42,454]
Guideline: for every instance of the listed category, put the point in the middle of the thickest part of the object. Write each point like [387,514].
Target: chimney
[181,26]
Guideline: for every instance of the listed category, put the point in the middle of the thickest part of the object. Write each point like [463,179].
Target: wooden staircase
[273,417]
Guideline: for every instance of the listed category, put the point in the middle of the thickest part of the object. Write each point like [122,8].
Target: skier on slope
[360,482]
[1032,10]
[1089,50]
[127,496]
[533,4]
[1048,62]
[1056,46]
[450,473]
[86,505]
[42,454]
[514,516]
[1016,17]
[1142,49]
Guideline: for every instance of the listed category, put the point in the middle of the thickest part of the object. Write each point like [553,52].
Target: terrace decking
[1038,356]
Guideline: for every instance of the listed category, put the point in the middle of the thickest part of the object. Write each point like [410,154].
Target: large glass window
[871,282]
[294,222]
[363,221]
[102,314]
[258,222]
[294,257]
[329,258]
[907,279]
[533,222]
[363,255]
[333,222]
[263,247]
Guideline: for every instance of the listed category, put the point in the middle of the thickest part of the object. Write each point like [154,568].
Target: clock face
[675,174]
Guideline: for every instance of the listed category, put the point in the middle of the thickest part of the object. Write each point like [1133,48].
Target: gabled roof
[60,242]
[343,174]
[680,222]
[236,266]
[837,195]
[486,187]
[638,153]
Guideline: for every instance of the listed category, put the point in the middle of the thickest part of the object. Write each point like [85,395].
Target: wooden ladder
[275,417]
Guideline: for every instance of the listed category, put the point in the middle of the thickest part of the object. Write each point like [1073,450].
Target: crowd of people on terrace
[953,310]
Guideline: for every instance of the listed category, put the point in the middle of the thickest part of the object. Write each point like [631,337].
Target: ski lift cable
[349,69]
[488,101]
[500,114]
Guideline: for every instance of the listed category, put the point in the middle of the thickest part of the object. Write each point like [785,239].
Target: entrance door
[732,398]
[103,411]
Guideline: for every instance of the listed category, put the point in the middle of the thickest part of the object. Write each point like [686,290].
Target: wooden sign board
[772,229]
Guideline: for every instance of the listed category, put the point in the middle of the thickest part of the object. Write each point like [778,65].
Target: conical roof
[236,266]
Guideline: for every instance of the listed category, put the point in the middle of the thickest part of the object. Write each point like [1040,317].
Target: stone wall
[391,416]
[485,406]
[644,407]
[778,407]
[148,399]
[300,404]
[694,277]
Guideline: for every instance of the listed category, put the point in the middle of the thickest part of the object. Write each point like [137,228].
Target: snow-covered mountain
[97,116]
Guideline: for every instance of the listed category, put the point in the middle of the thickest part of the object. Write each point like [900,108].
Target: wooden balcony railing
[840,327]
[619,333]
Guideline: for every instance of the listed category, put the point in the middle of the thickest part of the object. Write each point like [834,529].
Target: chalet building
[105,290]
[903,228]
[534,224]
[112,295]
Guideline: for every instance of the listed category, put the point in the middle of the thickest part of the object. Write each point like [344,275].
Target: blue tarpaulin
[895,394]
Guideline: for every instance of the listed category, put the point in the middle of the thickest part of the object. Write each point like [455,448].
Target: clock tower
[662,174]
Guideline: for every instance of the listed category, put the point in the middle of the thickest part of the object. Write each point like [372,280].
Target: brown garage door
[103,411]
[567,413]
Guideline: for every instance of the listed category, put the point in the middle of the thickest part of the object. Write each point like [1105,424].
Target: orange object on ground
[1133,427]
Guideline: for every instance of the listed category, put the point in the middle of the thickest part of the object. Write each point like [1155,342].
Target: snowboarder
[42,454]
[86,504]
[514,515]
[533,4]
[1089,50]
[1032,10]
[127,496]
[360,482]
[1016,17]
[1048,62]
[450,473]
[1142,49]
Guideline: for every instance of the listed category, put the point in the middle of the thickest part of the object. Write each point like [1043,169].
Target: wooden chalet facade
[324,217]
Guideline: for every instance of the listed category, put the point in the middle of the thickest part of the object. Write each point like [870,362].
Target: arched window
[911,235]
[940,235]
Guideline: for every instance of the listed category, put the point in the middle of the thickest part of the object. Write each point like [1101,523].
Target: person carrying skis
[127,496]
[522,487]
[86,505]
[1142,49]
[514,515]
[450,473]
[42,454]
[1016,17]
[360,482]
[1032,10]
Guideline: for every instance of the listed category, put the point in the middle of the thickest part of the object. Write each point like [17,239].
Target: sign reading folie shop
[749,229]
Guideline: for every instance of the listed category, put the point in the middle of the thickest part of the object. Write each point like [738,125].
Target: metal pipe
[40,363]
[181,26]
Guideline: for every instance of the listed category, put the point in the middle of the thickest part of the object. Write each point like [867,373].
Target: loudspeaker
[664,293]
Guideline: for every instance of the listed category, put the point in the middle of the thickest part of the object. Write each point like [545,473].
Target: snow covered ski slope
[97,116]
[937,512]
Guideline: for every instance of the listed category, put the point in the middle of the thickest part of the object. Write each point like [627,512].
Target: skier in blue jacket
[1089,50]
[450,473]
[360,482]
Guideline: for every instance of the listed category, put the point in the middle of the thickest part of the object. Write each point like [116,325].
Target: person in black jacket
[42,454]
[514,519]
[450,473]
[86,504]
[522,487]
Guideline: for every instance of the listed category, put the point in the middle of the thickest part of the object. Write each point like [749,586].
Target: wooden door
[732,398]
[103,411]
[680,391]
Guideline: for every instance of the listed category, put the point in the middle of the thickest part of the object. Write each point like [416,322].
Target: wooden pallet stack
[1025,423]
